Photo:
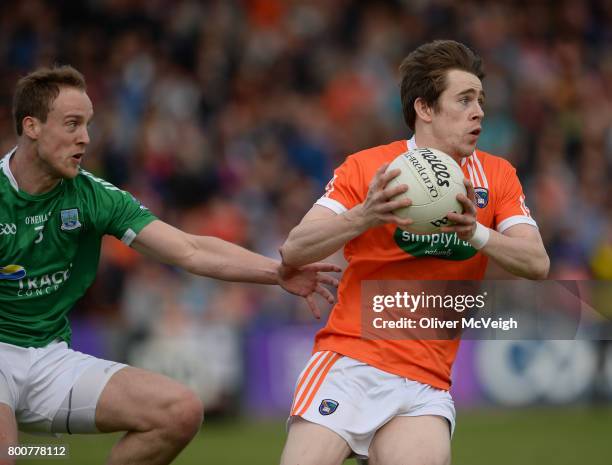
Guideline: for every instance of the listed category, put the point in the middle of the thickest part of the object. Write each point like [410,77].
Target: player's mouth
[476,132]
[77,157]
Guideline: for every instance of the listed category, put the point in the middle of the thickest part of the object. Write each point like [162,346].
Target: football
[434,180]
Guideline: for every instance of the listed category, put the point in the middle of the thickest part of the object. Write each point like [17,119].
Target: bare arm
[519,250]
[322,232]
[204,255]
[216,258]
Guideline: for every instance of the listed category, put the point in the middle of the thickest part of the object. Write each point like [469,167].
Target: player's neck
[30,176]
[425,139]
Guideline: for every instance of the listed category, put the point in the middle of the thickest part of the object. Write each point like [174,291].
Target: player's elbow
[540,267]
[545,267]
[194,258]
[289,254]
[292,252]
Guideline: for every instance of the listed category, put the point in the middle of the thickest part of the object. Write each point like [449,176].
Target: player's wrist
[357,217]
[481,236]
[283,267]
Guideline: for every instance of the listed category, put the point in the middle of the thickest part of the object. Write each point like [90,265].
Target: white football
[434,180]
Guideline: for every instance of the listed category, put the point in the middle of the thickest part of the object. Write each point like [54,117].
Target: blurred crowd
[227,117]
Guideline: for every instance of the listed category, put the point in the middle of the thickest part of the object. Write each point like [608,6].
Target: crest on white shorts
[328,406]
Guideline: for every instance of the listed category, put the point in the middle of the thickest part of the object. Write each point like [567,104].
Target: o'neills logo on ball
[437,166]
[422,171]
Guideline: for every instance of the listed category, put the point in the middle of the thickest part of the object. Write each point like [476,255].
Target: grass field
[523,437]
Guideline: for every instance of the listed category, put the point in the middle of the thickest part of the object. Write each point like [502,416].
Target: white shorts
[355,400]
[53,383]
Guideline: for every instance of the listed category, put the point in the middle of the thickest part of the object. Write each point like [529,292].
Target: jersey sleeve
[346,189]
[511,208]
[117,212]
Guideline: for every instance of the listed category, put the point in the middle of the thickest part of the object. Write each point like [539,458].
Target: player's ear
[31,127]
[423,110]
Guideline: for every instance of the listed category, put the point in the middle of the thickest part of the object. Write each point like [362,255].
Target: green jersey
[50,248]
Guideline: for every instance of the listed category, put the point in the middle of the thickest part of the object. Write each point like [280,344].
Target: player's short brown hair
[423,72]
[36,91]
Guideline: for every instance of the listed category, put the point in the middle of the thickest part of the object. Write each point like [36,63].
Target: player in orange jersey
[388,399]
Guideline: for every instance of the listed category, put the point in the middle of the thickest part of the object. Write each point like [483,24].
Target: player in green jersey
[52,218]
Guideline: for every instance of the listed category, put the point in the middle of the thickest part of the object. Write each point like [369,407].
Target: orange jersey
[388,253]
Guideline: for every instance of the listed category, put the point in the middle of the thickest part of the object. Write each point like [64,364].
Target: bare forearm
[314,240]
[223,260]
[521,257]
[204,255]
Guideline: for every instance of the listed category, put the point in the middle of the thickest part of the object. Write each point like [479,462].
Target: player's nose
[478,112]
[84,137]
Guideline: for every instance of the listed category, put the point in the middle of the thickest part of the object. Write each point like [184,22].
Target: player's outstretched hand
[465,224]
[378,207]
[308,280]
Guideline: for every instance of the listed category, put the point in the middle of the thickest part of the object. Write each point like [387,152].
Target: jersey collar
[7,170]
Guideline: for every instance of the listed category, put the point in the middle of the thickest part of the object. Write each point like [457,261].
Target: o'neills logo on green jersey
[442,245]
